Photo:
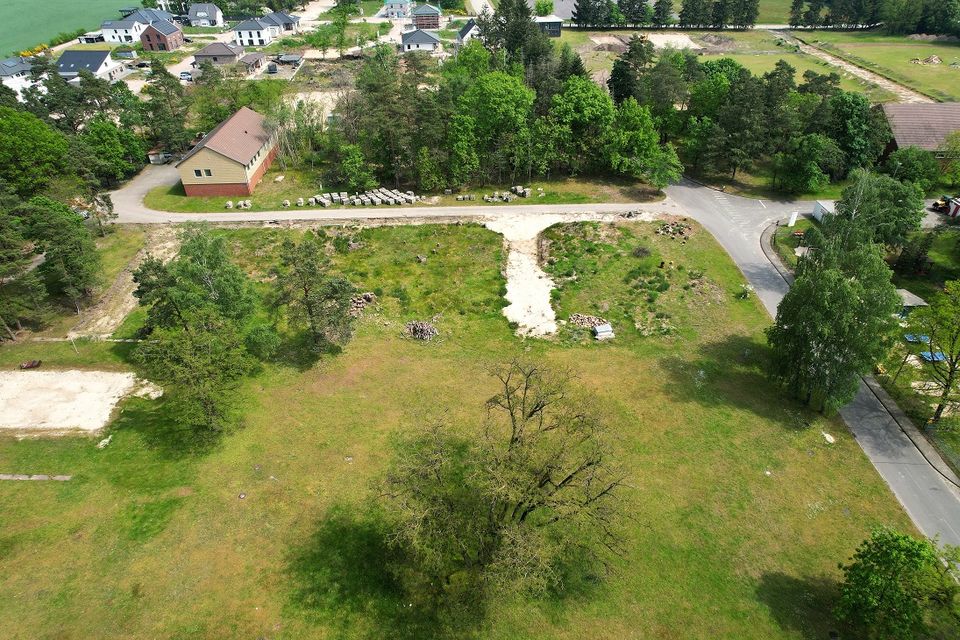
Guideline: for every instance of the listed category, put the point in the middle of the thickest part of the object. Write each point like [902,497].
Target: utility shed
[823,208]
[911,300]
[922,125]
[603,331]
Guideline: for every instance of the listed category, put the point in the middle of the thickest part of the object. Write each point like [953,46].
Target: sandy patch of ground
[659,40]
[326,99]
[529,286]
[103,318]
[59,402]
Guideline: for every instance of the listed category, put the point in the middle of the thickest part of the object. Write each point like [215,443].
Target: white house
[468,32]
[419,40]
[397,9]
[129,28]
[15,73]
[258,32]
[99,63]
[205,14]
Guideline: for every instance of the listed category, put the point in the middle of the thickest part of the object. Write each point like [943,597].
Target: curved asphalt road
[738,224]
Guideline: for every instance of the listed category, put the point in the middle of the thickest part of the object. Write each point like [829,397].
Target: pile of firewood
[358,303]
[420,330]
[581,320]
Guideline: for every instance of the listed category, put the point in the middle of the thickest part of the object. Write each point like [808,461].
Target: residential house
[253,61]
[205,14]
[129,28]
[259,32]
[468,32]
[99,63]
[924,125]
[15,73]
[231,159]
[218,53]
[426,16]
[549,25]
[419,40]
[91,37]
[161,36]
[397,9]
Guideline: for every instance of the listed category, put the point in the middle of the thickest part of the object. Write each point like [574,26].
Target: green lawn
[774,12]
[25,24]
[739,510]
[785,243]
[891,56]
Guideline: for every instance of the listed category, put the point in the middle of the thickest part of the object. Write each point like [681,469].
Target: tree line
[701,14]
[897,16]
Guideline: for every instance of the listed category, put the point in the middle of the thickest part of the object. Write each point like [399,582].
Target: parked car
[143,64]
[186,75]
[272,67]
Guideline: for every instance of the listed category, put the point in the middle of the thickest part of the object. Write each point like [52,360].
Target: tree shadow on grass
[300,352]
[731,373]
[155,424]
[801,605]
[346,578]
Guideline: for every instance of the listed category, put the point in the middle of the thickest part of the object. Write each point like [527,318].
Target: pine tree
[720,14]
[695,13]
[796,13]
[662,13]
[743,13]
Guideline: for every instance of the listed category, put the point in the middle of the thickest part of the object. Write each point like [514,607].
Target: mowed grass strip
[892,57]
[739,510]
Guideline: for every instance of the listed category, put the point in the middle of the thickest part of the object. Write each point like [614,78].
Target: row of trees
[716,14]
[207,328]
[897,16]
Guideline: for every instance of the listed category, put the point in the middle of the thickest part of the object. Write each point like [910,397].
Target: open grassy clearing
[891,56]
[150,539]
[269,195]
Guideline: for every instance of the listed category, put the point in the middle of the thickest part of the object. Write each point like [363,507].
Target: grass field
[774,12]
[891,56]
[26,24]
[739,509]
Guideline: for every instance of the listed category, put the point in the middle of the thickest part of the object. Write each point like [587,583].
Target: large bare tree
[504,511]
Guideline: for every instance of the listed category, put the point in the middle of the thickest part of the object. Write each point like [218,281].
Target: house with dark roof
[426,16]
[161,36]
[924,125]
[259,32]
[99,63]
[397,9]
[467,32]
[129,28]
[419,40]
[218,53]
[231,159]
[205,14]
[15,74]
[550,25]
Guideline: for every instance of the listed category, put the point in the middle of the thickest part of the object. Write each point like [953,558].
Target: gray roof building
[164,27]
[426,10]
[220,49]
[203,10]
[922,125]
[74,61]
[280,18]
[14,66]
[419,36]
[466,29]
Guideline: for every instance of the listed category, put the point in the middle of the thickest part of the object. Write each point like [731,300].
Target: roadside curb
[767,247]
[927,450]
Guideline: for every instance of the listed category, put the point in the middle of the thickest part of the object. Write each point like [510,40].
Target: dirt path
[529,286]
[102,319]
[903,93]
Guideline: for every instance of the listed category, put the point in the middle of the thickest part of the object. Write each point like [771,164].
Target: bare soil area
[61,402]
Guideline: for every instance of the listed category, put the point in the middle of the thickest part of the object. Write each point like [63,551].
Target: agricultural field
[758,51]
[25,23]
[893,57]
[774,12]
[739,508]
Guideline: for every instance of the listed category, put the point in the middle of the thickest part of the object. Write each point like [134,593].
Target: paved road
[738,224]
